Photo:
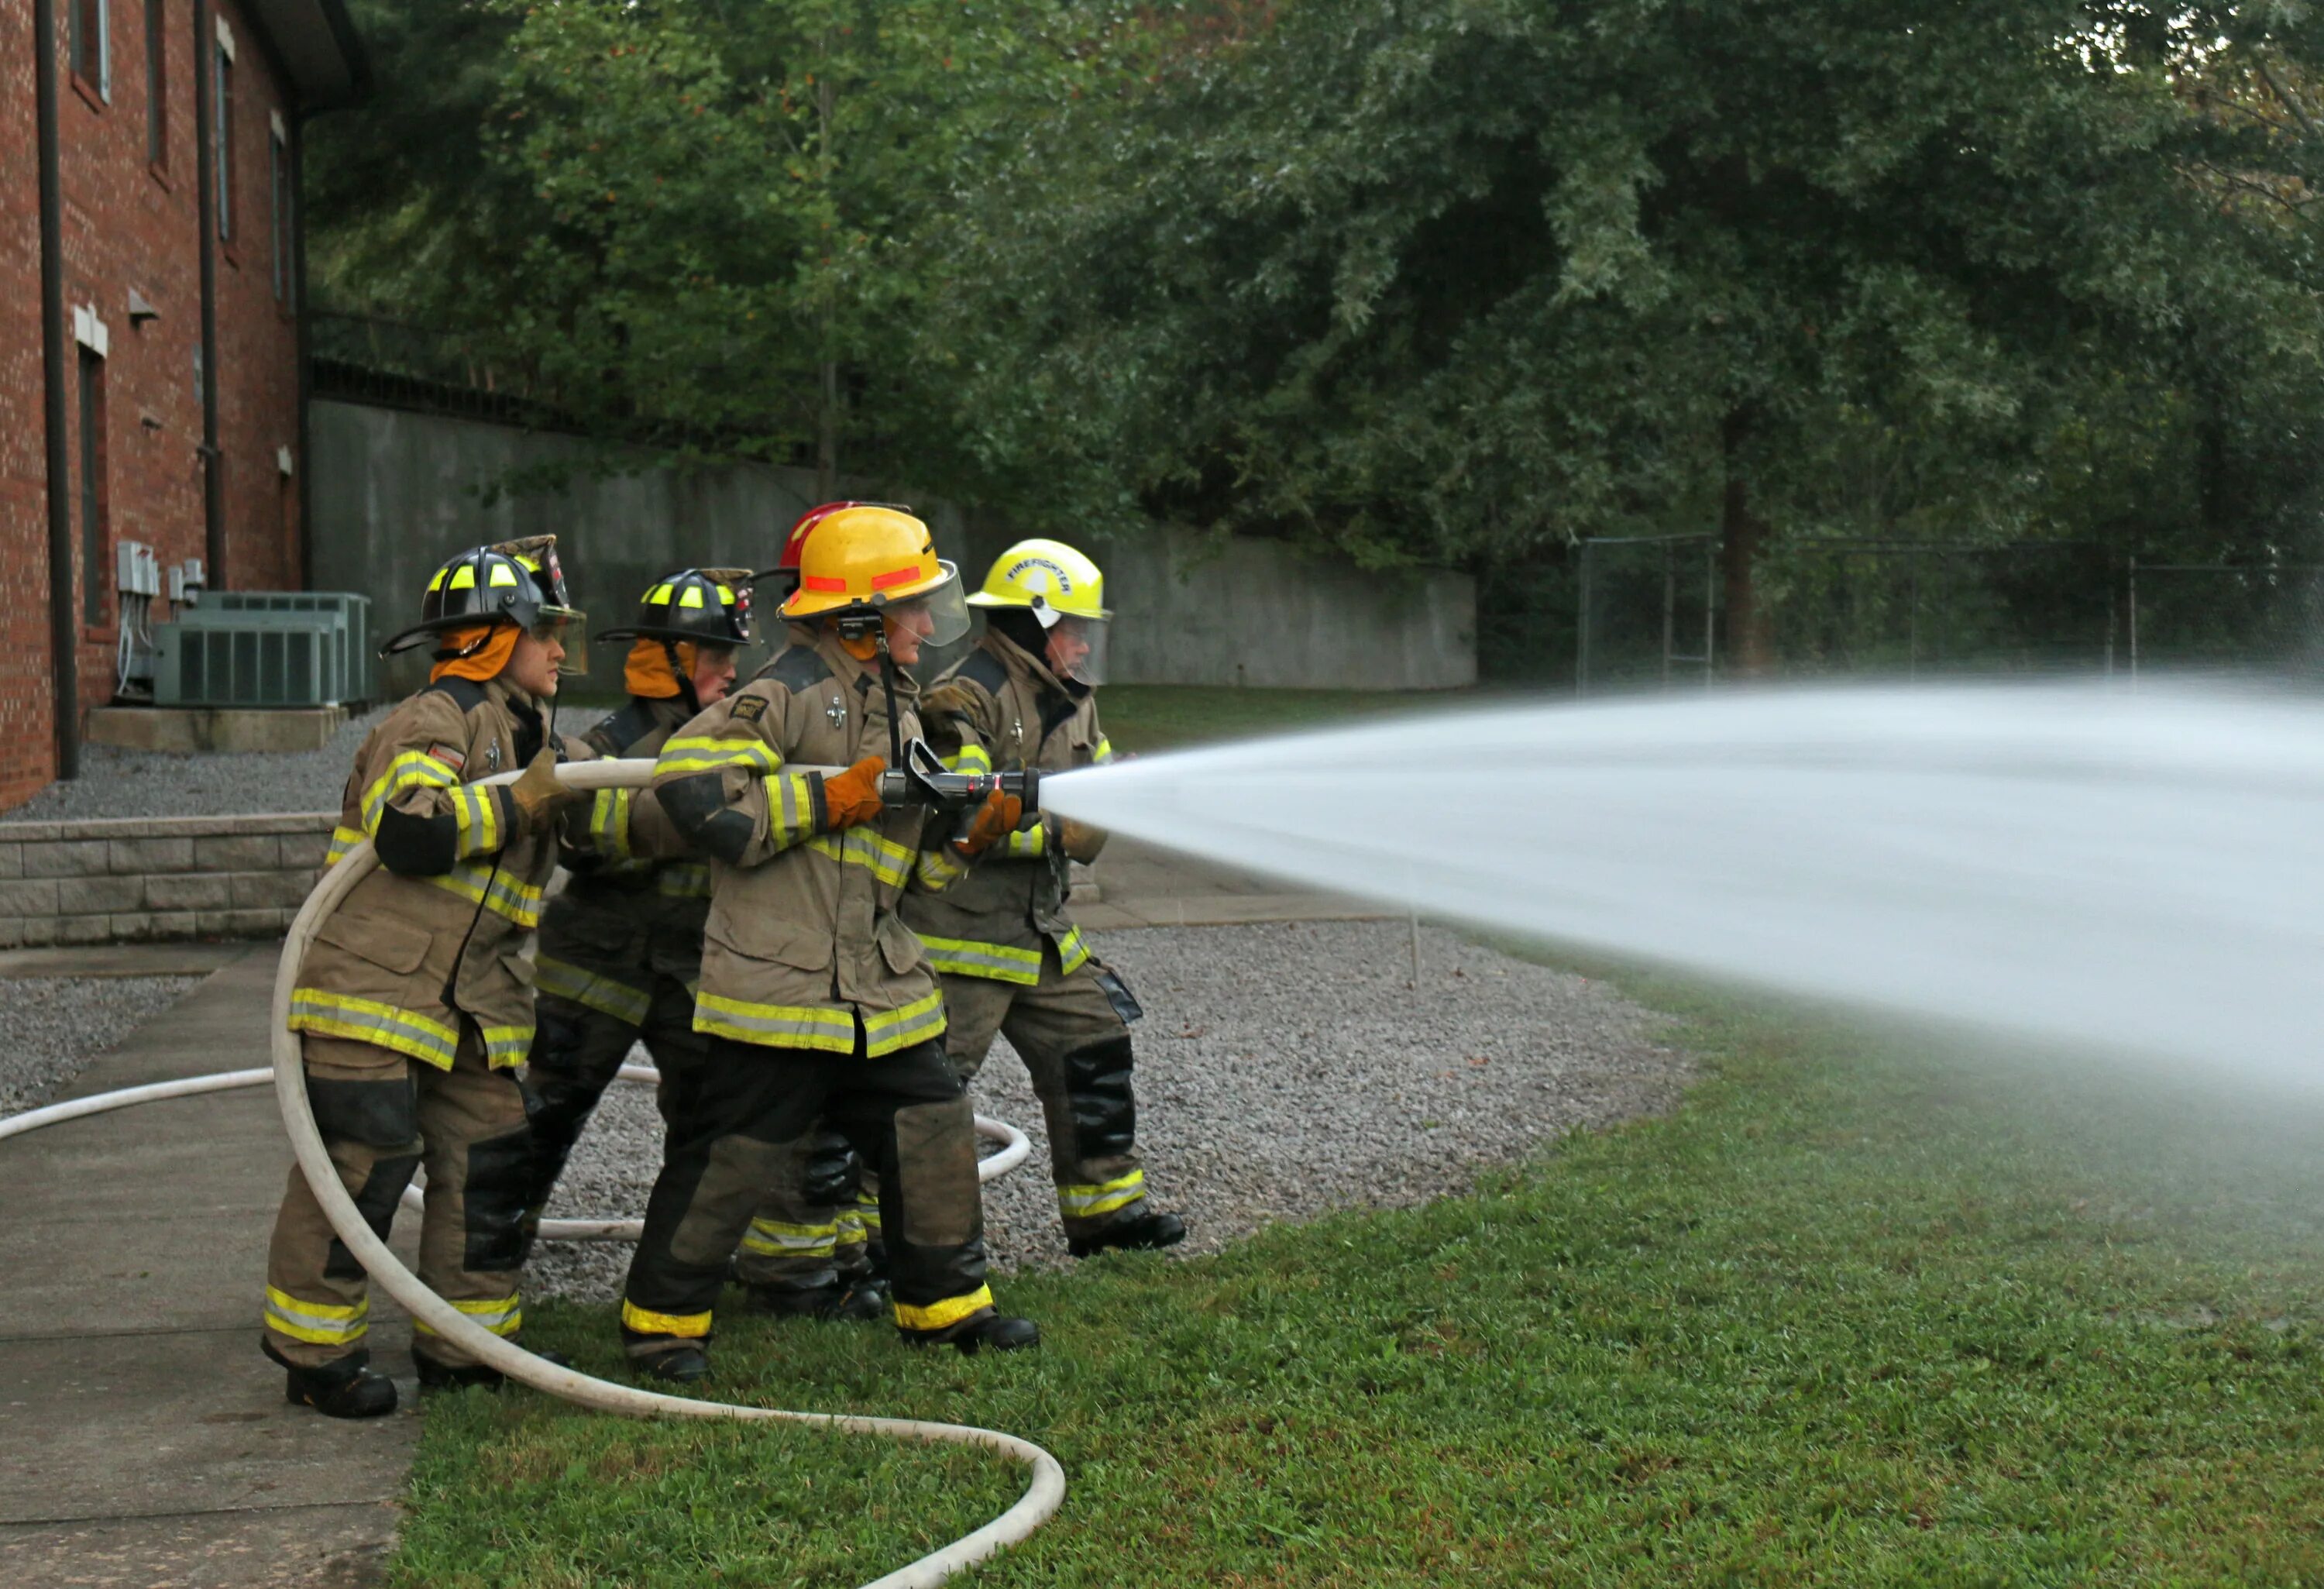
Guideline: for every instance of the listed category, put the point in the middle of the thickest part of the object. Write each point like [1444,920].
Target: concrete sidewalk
[143,1441]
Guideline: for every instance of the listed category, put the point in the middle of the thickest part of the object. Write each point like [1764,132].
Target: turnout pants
[1072,1030]
[578,1049]
[753,1124]
[383,1116]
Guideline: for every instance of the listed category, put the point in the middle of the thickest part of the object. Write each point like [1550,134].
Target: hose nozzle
[924,781]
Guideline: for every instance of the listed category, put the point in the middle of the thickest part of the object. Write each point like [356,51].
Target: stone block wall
[151,879]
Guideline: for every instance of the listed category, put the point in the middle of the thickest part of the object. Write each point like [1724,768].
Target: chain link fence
[1649,612]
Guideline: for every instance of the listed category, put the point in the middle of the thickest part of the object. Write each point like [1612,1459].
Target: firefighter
[1011,959]
[816,997]
[621,948]
[415,1002]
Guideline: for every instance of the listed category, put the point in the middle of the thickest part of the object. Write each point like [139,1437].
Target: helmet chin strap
[685,680]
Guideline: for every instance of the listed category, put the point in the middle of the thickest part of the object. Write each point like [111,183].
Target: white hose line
[1043,1494]
[1014,1147]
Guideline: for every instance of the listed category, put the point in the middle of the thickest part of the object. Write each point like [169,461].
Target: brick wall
[130,224]
[146,879]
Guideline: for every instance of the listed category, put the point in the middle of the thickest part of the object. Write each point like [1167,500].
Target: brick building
[167,258]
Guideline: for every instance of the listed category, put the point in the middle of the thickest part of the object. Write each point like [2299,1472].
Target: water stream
[2139,872]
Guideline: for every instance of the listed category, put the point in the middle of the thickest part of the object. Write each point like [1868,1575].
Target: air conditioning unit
[252,659]
[352,667]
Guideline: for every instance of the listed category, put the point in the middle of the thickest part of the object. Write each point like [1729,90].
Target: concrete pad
[182,959]
[193,1421]
[185,730]
[286,1547]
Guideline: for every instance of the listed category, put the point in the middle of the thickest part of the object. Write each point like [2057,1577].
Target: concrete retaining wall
[396,493]
[151,879]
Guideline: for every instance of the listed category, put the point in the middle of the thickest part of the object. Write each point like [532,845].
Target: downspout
[204,206]
[305,478]
[64,632]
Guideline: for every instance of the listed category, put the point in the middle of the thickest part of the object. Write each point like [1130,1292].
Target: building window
[157,84]
[92,486]
[88,26]
[222,131]
[278,172]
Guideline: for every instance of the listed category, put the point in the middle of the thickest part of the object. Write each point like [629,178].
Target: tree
[1463,280]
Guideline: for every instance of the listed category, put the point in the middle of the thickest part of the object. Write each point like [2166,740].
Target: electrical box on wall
[186,582]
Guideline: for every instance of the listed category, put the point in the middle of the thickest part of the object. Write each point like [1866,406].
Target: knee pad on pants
[382,1189]
[384,1113]
[1098,1081]
[936,1174]
[494,1201]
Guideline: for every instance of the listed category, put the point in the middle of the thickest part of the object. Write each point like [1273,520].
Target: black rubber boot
[350,1388]
[680,1365]
[445,1376]
[995,1331]
[1139,1232]
[859,1304]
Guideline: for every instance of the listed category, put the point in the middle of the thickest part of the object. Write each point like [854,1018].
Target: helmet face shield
[944,607]
[1077,647]
[568,627]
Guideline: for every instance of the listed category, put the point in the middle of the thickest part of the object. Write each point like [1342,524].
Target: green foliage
[1858,1313]
[1461,279]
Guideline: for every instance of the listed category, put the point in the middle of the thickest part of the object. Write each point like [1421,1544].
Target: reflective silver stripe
[770,1238]
[293,1317]
[916,1022]
[970,758]
[993,962]
[939,870]
[504,1316]
[1080,1202]
[776,1025]
[368,1021]
[409,770]
[683,880]
[609,823]
[564,980]
[518,902]
[791,806]
[706,753]
[506,1045]
[1072,952]
[1029,842]
[887,860]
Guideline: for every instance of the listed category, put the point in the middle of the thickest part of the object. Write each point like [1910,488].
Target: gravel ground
[51,1026]
[1282,1071]
[153,783]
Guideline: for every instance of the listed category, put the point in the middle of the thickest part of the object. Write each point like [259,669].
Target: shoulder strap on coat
[798,668]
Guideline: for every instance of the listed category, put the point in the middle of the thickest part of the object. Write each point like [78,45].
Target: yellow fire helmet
[1062,592]
[1050,577]
[867,562]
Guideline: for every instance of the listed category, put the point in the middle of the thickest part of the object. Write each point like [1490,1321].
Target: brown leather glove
[540,797]
[1079,840]
[994,820]
[853,797]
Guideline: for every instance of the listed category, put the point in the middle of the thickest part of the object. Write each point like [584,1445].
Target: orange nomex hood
[647,671]
[499,645]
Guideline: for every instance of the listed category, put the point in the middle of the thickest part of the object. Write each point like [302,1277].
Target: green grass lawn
[1863,1311]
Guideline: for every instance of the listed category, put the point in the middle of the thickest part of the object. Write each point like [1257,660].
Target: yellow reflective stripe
[889,861]
[791,806]
[506,1045]
[591,989]
[683,880]
[368,1021]
[518,900]
[887,1030]
[409,770]
[501,1314]
[945,1314]
[970,758]
[704,754]
[318,1323]
[690,1325]
[1071,951]
[783,1026]
[938,869]
[343,839]
[1104,752]
[993,962]
[1081,1202]
[1028,843]
[867,1209]
[772,1238]
[478,816]
[609,823]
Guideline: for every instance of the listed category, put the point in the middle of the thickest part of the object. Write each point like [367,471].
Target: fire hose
[1043,1494]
